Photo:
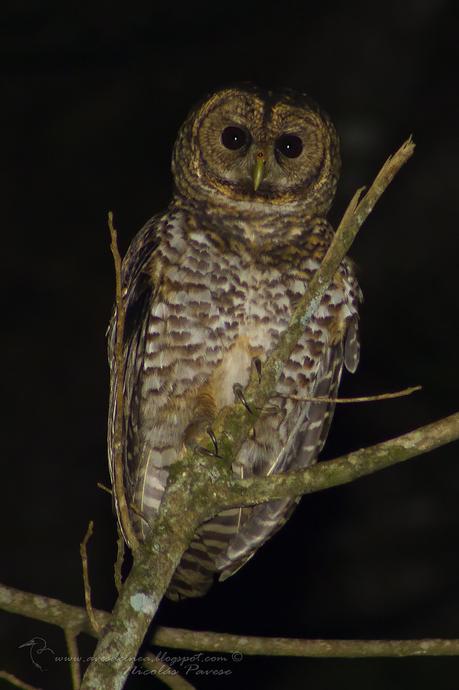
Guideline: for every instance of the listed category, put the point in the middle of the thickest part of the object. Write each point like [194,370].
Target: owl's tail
[195,573]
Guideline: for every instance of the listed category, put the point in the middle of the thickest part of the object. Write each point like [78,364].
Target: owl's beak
[258,170]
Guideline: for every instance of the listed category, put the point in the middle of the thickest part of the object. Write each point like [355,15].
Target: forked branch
[200,487]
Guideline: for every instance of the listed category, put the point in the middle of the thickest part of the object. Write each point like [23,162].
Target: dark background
[91,99]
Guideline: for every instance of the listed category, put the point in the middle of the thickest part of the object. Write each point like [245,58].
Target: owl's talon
[239,394]
[205,451]
[213,438]
[257,365]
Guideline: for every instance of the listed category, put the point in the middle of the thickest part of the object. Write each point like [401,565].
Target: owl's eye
[234,138]
[289,145]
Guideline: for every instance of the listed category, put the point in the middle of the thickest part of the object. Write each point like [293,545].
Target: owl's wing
[352,344]
[137,294]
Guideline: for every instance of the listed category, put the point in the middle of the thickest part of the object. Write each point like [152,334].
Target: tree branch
[244,492]
[146,584]
[195,483]
[290,646]
[49,610]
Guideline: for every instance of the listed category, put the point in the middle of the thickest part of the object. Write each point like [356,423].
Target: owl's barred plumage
[209,286]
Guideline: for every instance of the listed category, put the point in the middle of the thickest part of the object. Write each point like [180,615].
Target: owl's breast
[223,308]
[255,306]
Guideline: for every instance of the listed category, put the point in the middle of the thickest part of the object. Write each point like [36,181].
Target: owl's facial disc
[249,145]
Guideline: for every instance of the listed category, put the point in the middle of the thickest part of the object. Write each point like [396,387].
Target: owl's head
[249,145]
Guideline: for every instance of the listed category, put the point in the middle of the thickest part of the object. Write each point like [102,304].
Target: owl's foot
[257,365]
[205,451]
[239,394]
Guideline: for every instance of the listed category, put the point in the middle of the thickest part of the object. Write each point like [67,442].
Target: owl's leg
[238,390]
[203,415]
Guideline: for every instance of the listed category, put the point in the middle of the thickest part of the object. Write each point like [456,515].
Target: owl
[208,286]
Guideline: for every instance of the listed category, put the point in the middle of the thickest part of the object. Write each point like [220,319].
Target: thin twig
[118,472]
[72,646]
[86,582]
[131,505]
[104,488]
[17,682]
[358,211]
[362,399]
